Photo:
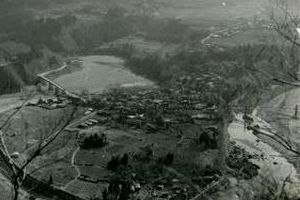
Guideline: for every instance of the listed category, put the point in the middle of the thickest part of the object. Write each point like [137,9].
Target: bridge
[58,89]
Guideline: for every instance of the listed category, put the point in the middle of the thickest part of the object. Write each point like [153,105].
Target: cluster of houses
[88,123]
[52,102]
[153,109]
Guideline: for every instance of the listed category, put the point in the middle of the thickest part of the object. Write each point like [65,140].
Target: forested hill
[37,34]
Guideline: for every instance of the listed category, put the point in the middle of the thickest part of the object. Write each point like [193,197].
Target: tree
[50,180]
[16,172]
[230,93]
[20,178]
[296,112]
[286,24]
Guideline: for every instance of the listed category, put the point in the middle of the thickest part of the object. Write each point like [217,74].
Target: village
[132,127]
[156,128]
[145,128]
[151,109]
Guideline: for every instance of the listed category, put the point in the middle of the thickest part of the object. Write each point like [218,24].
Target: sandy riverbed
[273,165]
[99,73]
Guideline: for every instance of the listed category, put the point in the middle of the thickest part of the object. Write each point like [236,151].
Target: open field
[55,161]
[32,128]
[92,162]
[85,189]
[8,102]
[29,125]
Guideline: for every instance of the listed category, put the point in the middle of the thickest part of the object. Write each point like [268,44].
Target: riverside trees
[228,81]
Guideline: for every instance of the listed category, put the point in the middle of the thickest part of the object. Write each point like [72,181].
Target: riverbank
[274,167]
[271,162]
[279,112]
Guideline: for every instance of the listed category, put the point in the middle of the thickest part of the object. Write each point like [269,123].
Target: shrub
[94,140]
[239,161]
[166,160]
[117,190]
[116,162]
[270,189]
[124,159]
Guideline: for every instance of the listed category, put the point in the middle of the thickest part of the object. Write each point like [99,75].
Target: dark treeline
[12,78]
[49,34]
[44,31]
[116,24]
[229,62]
[83,37]
[246,71]
[37,36]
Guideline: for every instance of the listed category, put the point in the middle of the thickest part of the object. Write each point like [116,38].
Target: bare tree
[15,171]
[285,22]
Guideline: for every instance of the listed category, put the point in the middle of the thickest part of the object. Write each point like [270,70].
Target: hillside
[65,28]
[144,99]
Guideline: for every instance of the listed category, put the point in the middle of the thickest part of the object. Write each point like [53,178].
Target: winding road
[54,70]
[75,167]
[205,41]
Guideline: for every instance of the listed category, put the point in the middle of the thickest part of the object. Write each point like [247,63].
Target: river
[274,116]
[99,73]
[279,112]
